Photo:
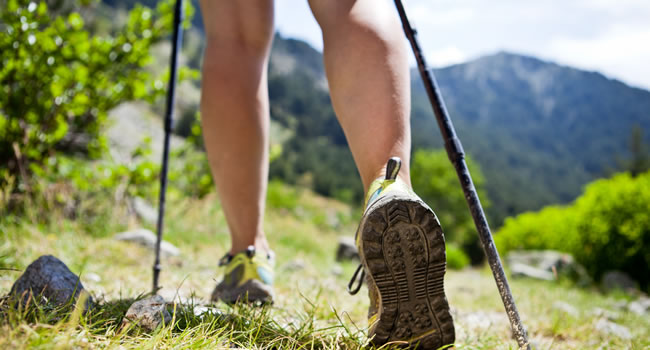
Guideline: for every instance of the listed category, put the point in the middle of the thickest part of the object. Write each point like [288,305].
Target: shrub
[281,196]
[58,81]
[607,228]
[456,258]
[435,180]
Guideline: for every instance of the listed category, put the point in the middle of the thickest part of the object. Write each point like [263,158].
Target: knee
[240,39]
[344,17]
[238,26]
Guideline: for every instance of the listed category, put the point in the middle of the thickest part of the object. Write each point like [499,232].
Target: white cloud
[445,56]
[623,52]
[611,36]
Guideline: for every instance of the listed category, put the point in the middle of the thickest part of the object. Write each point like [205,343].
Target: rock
[554,262]
[523,270]
[483,320]
[604,313]
[145,211]
[148,313]
[347,249]
[617,280]
[610,328]
[51,279]
[566,308]
[147,239]
[639,306]
[129,124]
[295,265]
[92,277]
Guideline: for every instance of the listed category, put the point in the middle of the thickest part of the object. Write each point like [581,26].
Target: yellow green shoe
[402,251]
[248,277]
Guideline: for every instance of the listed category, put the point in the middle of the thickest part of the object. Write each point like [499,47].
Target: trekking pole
[177,41]
[457,157]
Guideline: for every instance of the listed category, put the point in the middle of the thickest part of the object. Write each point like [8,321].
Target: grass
[312,308]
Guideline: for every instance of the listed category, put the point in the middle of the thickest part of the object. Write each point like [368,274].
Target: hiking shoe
[248,277]
[402,251]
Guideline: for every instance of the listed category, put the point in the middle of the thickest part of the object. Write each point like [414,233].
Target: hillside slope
[539,131]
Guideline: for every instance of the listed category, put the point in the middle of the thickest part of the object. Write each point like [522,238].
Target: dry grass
[312,308]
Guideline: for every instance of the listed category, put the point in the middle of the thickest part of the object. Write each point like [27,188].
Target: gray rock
[566,308]
[129,124]
[523,270]
[148,313]
[49,278]
[610,328]
[295,265]
[639,306]
[147,239]
[92,277]
[617,280]
[145,211]
[604,313]
[483,320]
[347,249]
[554,262]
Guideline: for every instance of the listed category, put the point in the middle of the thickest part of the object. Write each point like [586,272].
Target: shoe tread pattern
[404,249]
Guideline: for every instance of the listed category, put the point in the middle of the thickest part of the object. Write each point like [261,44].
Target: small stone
[566,308]
[49,278]
[639,306]
[145,211]
[610,328]
[522,270]
[617,280]
[554,262]
[347,249]
[147,239]
[295,265]
[92,277]
[604,313]
[483,320]
[148,313]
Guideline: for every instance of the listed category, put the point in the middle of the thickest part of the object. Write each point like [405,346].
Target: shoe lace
[225,259]
[357,278]
[392,169]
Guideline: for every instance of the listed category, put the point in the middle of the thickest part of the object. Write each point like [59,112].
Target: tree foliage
[435,180]
[638,161]
[607,228]
[58,80]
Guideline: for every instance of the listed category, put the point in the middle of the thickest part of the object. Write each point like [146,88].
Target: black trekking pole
[177,41]
[457,157]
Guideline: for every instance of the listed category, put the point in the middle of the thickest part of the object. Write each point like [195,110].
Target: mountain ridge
[539,130]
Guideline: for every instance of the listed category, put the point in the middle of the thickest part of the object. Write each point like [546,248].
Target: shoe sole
[404,253]
[251,292]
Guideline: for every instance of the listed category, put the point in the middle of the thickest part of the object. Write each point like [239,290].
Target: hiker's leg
[235,111]
[367,69]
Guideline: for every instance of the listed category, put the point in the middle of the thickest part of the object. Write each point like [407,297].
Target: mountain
[539,130]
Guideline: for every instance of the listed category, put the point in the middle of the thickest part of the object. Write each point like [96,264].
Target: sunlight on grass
[312,308]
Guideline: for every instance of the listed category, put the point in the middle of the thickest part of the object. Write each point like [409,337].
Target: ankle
[260,244]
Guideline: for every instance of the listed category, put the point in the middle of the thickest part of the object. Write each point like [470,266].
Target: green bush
[281,196]
[58,81]
[607,228]
[435,180]
[456,258]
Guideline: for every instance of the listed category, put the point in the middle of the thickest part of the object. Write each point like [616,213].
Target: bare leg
[367,69]
[235,111]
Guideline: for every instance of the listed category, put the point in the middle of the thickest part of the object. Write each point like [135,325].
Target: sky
[608,36]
